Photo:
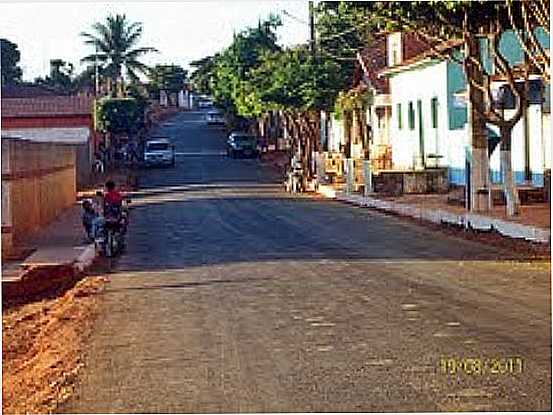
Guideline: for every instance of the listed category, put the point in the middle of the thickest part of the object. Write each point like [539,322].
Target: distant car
[242,144]
[205,104]
[215,118]
[159,151]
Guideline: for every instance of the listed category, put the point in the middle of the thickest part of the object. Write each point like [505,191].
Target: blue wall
[510,47]
[457,176]
[456,82]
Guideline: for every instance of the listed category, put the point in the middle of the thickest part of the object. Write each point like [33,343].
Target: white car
[159,151]
[205,104]
[215,118]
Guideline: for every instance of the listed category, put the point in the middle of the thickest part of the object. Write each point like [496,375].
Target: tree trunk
[509,187]
[357,127]
[347,133]
[479,192]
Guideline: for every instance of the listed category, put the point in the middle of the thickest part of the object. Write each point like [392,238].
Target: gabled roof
[374,59]
[45,106]
[425,54]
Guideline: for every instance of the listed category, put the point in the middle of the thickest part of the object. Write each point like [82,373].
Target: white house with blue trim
[429,119]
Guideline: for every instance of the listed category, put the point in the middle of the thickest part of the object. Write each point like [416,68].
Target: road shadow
[208,224]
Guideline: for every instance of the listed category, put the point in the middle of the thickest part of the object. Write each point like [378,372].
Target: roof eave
[395,70]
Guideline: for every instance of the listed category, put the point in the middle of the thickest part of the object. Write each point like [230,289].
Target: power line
[295,18]
[346,32]
[336,35]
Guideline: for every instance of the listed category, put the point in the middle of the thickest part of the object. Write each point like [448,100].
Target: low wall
[411,181]
[38,182]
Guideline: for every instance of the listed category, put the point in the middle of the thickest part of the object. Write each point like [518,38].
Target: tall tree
[10,57]
[203,73]
[235,62]
[343,29]
[115,42]
[298,85]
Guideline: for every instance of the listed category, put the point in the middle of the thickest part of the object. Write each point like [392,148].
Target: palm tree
[115,43]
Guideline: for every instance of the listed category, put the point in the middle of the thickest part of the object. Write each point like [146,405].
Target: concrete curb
[439,216]
[36,280]
[86,258]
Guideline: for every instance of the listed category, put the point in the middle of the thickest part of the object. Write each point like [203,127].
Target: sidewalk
[533,224]
[59,253]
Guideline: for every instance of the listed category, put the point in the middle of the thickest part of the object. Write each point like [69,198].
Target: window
[157,146]
[411,114]
[399,120]
[434,111]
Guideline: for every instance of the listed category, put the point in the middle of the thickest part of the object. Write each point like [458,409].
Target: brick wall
[38,182]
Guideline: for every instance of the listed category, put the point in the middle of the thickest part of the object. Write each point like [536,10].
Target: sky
[182,31]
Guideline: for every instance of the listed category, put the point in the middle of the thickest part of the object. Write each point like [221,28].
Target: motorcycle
[114,231]
[108,232]
[294,178]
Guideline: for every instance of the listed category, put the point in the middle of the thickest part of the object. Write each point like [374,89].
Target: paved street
[235,297]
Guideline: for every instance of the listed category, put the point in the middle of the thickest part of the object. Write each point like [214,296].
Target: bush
[119,115]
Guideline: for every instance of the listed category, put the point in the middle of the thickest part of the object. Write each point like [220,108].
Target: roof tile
[46,106]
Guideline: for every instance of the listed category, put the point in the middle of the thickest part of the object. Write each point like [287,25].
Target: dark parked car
[242,144]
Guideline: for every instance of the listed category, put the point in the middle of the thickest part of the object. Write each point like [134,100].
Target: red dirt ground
[42,348]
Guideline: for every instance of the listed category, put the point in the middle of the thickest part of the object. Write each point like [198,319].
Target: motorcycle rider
[114,209]
[113,200]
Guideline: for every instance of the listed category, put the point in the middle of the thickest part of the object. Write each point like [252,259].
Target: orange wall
[39,181]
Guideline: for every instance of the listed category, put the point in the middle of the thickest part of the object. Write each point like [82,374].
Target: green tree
[115,42]
[61,76]
[298,85]
[203,73]
[234,63]
[343,29]
[170,78]
[10,57]
[86,79]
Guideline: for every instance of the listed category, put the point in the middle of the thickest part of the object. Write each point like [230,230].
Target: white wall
[546,137]
[335,134]
[423,84]
[540,146]
[431,81]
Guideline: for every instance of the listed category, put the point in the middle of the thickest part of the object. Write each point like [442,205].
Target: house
[429,122]
[32,114]
[384,51]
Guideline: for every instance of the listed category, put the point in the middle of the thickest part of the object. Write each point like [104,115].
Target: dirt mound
[42,348]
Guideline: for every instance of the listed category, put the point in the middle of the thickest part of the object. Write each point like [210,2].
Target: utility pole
[96,80]
[311,29]
[310,147]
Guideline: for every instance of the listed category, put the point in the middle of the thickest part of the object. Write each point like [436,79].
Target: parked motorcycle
[294,178]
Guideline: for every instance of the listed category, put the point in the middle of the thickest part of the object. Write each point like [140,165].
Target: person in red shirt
[113,200]
[112,195]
